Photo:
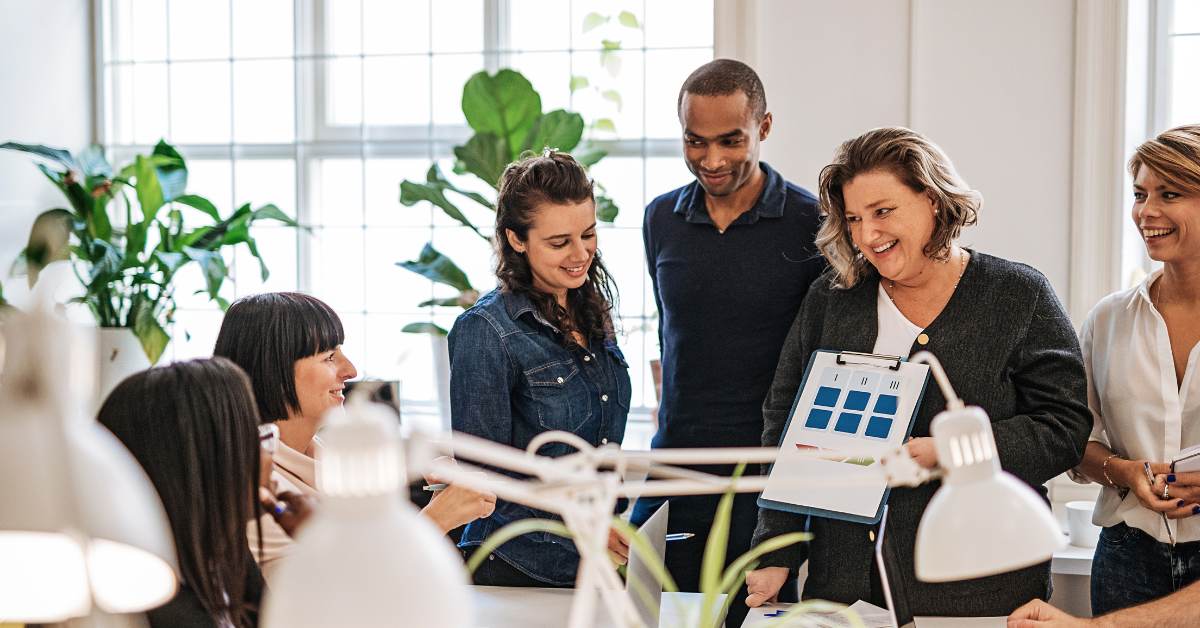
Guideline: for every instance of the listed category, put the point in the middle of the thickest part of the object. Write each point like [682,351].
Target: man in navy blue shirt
[731,256]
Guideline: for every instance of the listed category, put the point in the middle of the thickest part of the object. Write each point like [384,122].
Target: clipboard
[847,402]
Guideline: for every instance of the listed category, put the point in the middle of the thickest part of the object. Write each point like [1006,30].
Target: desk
[522,607]
[756,618]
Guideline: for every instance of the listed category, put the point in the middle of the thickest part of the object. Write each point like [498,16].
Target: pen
[679,536]
[435,487]
[1150,478]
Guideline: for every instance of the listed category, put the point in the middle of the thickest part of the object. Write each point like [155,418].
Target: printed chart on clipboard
[848,403]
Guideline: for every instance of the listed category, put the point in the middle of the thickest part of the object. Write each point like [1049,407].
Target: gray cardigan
[1008,347]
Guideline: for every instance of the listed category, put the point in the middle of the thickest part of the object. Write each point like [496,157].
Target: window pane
[624,257]
[194,334]
[540,25]
[343,99]
[388,348]
[597,101]
[337,187]
[262,181]
[666,70]
[383,206]
[622,178]
[414,359]
[212,179]
[395,26]
[397,90]
[550,73]
[391,288]
[199,29]
[675,23]
[354,346]
[639,343]
[118,26]
[457,25]
[1187,16]
[200,103]
[612,30]
[471,253]
[263,28]
[148,30]
[149,105]
[337,267]
[118,94]
[450,73]
[343,21]
[664,174]
[264,102]
[483,218]
[277,247]
[1185,89]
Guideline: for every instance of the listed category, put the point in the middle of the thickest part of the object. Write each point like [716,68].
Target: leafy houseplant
[127,265]
[506,114]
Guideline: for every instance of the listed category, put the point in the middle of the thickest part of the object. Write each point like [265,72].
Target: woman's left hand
[1183,492]
[922,450]
[618,547]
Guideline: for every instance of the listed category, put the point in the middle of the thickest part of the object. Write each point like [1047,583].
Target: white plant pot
[120,356]
[441,364]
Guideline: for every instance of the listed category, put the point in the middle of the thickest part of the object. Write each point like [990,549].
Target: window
[322,107]
[1164,54]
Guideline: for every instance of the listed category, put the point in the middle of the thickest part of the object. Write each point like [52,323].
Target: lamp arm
[953,402]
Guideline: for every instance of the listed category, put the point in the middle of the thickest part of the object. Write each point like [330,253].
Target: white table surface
[756,618]
[522,607]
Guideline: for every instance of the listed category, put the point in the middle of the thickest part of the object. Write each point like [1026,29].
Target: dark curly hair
[528,186]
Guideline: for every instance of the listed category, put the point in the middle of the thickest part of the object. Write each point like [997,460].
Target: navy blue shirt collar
[769,204]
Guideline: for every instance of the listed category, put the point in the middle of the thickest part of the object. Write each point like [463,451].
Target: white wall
[45,98]
[991,82]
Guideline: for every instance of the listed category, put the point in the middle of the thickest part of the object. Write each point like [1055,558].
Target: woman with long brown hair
[539,353]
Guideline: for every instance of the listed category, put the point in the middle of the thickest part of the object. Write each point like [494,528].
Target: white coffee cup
[1082,531]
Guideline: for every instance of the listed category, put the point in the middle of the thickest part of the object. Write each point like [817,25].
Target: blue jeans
[1132,567]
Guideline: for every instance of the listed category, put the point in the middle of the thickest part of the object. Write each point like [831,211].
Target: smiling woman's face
[320,380]
[561,246]
[890,224]
[1168,217]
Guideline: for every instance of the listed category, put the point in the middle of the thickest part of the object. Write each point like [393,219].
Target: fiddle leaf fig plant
[505,111]
[128,265]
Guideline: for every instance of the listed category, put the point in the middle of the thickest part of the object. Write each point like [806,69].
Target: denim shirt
[510,380]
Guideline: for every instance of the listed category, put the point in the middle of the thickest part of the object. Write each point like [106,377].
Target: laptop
[642,589]
[894,593]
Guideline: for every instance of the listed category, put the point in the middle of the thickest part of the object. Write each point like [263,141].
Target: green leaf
[578,83]
[135,244]
[172,173]
[591,157]
[611,45]
[628,19]
[149,192]
[412,193]
[504,103]
[484,156]
[604,124]
[274,213]
[612,96]
[151,334]
[200,203]
[592,20]
[106,262]
[606,209]
[437,267]
[212,264]
[171,260]
[49,241]
[558,129]
[53,154]
[94,163]
[611,61]
[451,302]
[424,328]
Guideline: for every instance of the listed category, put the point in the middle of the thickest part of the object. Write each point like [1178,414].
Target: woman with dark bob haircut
[193,427]
[899,283]
[539,353]
[290,345]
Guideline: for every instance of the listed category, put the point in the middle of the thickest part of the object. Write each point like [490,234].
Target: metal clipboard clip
[870,359]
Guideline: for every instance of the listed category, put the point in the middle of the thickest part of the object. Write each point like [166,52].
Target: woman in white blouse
[1140,349]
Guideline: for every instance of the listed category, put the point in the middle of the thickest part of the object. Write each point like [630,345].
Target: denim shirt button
[560,380]
[603,441]
[587,358]
[603,397]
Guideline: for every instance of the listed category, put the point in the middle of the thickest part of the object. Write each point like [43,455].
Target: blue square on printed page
[847,423]
[827,397]
[878,427]
[886,404]
[818,419]
[857,400]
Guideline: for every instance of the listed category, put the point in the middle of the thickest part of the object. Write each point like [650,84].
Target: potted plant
[127,260]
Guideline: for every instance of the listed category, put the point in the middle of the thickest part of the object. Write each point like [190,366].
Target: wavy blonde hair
[919,164]
[1174,156]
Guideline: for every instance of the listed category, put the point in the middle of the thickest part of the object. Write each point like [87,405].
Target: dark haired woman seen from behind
[539,353]
[193,427]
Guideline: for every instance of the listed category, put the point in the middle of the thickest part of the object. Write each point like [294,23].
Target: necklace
[962,269]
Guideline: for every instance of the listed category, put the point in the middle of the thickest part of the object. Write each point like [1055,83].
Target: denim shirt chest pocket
[560,396]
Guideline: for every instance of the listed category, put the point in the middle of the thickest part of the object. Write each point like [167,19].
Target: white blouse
[293,471]
[1139,411]
[896,333]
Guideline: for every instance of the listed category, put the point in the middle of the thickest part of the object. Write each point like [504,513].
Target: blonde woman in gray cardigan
[899,284]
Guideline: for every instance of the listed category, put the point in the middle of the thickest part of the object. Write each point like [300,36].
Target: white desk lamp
[982,521]
[79,519]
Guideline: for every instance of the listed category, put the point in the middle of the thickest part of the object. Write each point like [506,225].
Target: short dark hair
[722,77]
[193,428]
[266,334]
[527,185]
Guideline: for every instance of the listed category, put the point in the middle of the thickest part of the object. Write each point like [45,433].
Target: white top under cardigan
[896,333]
[1139,411]
[293,471]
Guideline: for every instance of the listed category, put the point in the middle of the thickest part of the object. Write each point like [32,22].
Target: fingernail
[1196,510]
[1180,504]
[1171,478]
[279,508]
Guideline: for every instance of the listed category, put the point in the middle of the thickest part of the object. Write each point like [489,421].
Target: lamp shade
[79,519]
[983,520]
[367,558]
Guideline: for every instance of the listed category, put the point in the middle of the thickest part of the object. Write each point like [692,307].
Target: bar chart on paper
[848,406]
